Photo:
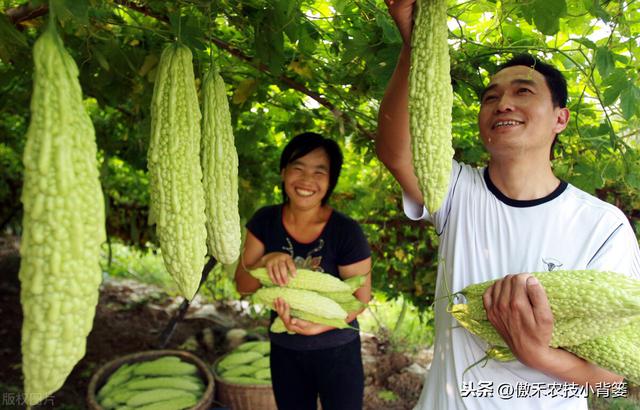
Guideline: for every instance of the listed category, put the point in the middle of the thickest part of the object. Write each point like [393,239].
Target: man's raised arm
[393,140]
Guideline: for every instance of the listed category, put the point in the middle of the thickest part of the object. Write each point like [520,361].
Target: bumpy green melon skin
[583,294]
[63,223]
[220,169]
[618,351]
[176,192]
[430,102]
[596,317]
[585,303]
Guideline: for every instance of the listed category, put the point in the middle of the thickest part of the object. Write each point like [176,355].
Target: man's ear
[562,120]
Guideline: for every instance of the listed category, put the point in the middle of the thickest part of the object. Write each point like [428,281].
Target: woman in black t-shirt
[305,232]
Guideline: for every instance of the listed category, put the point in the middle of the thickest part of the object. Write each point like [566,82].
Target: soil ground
[131,316]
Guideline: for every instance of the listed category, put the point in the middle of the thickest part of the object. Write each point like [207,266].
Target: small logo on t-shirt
[309,262]
[551,263]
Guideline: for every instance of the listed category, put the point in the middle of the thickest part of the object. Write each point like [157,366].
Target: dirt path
[130,318]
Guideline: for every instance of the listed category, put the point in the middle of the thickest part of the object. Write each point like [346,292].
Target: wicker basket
[243,396]
[103,373]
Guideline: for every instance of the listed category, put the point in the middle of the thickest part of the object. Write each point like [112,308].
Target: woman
[305,232]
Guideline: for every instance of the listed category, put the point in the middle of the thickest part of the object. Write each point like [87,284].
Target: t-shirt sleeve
[415,211]
[353,244]
[258,224]
[619,253]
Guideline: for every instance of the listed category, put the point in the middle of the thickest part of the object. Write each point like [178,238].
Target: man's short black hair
[555,80]
[304,143]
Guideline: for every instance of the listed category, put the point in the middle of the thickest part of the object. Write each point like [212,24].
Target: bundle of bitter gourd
[596,317]
[167,383]
[246,364]
[316,297]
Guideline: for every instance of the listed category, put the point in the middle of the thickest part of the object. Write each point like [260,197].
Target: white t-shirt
[484,235]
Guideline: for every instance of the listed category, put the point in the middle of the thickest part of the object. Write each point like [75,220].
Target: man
[511,217]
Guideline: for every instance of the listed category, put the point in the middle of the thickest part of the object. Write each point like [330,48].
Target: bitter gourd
[306,279]
[596,317]
[177,194]
[63,224]
[430,101]
[220,170]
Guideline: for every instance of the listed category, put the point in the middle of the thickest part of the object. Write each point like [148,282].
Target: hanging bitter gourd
[430,102]
[177,195]
[220,170]
[63,223]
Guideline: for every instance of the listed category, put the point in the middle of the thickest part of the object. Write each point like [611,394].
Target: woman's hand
[279,265]
[518,307]
[402,13]
[299,326]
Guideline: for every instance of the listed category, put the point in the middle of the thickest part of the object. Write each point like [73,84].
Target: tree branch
[26,12]
[287,81]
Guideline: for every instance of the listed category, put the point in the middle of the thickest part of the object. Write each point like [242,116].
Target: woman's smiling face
[306,179]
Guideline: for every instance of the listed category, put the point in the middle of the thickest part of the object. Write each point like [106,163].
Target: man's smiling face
[517,112]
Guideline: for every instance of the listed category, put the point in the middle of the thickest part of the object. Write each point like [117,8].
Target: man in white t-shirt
[502,222]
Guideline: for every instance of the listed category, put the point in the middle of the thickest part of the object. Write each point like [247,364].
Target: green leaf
[390,33]
[187,29]
[633,179]
[616,82]
[604,129]
[307,38]
[511,32]
[270,50]
[629,102]
[244,90]
[101,59]
[621,58]
[604,61]
[11,40]
[595,8]
[285,17]
[547,14]
[586,42]
[269,44]
[618,76]
[610,96]
[67,11]
[342,5]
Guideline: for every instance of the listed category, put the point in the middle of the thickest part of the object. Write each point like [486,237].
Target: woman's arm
[279,266]
[250,256]
[364,292]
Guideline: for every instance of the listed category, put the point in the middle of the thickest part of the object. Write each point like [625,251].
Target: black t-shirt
[341,243]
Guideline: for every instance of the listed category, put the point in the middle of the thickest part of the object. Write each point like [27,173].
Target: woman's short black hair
[304,143]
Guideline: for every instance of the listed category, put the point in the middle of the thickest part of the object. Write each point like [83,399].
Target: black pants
[335,374]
